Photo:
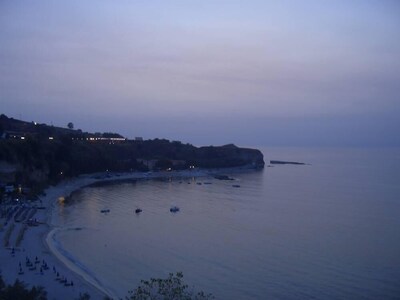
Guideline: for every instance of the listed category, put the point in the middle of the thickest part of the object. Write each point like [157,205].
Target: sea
[329,229]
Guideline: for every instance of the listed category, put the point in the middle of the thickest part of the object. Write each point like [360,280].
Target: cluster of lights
[88,138]
[191,167]
[99,139]
[17,137]
[50,138]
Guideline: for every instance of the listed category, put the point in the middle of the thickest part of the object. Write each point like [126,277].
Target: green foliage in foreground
[170,288]
[19,291]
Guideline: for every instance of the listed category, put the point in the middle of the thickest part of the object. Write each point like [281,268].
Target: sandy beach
[38,259]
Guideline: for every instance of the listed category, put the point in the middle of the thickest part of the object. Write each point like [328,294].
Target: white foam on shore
[74,264]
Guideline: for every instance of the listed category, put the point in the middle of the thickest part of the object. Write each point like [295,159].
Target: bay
[325,230]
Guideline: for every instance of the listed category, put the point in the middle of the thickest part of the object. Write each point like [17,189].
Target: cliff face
[230,156]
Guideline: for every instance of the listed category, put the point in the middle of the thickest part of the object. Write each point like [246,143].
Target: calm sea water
[328,230]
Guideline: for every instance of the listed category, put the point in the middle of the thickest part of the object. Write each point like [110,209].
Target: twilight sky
[320,73]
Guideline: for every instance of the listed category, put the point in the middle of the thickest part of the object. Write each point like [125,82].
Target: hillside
[39,154]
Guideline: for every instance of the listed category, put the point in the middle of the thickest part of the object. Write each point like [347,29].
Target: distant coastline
[35,155]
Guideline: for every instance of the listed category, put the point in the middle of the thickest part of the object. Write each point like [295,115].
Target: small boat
[138,210]
[236,185]
[174,209]
[105,211]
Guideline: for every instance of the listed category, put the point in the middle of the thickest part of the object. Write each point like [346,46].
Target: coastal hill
[37,154]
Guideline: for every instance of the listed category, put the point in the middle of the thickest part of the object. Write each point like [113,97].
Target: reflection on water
[325,230]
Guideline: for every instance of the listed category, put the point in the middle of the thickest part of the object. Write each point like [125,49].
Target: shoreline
[34,247]
[43,240]
[68,260]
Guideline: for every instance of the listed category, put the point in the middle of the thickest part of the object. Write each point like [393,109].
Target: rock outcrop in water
[280,162]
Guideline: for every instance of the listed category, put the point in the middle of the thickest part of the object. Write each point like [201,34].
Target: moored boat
[174,209]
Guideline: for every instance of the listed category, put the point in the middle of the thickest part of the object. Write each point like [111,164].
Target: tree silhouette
[19,291]
[172,287]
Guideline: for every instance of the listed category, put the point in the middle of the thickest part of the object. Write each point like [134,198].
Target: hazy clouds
[254,72]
